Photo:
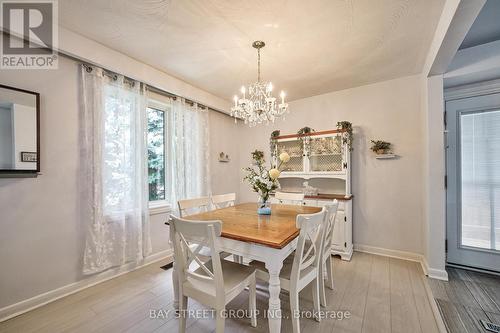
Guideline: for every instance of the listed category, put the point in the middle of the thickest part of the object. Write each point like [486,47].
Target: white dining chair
[301,267]
[326,261]
[289,198]
[223,200]
[214,283]
[196,205]
[201,205]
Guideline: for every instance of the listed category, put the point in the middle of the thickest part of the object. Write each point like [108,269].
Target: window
[156,154]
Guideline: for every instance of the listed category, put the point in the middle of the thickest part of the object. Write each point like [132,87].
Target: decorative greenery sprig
[273,141]
[262,180]
[347,126]
[303,132]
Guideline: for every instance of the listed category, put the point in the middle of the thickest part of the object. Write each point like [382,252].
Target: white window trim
[161,206]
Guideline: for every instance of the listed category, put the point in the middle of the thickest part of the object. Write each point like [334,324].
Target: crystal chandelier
[259,106]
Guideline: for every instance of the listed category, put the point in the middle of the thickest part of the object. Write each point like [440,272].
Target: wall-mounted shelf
[324,196]
[313,175]
[386,156]
[25,174]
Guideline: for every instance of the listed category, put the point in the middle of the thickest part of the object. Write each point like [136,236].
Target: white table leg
[175,284]
[175,279]
[274,314]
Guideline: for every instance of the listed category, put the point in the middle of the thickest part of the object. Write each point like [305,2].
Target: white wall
[456,18]
[224,137]
[434,195]
[388,199]
[40,238]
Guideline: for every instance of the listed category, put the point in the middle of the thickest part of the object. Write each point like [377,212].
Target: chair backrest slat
[331,214]
[309,243]
[192,255]
[196,205]
[289,198]
[223,200]
[189,238]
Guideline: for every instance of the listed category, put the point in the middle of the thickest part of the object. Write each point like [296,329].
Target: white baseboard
[50,296]
[439,274]
[430,272]
[388,252]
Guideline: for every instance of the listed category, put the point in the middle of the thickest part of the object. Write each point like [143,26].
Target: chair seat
[233,275]
[285,272]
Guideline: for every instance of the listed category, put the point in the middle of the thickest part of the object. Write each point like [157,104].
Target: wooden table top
[241,222]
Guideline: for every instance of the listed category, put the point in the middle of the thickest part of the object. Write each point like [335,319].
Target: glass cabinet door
[295,149]
[325,154]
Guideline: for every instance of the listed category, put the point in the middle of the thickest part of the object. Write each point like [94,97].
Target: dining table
[266,238]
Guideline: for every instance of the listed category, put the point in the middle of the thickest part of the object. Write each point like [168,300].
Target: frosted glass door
[294,148]
[326,154]
[473,173]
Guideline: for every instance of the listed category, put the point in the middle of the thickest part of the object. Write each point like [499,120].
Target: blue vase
[264,207]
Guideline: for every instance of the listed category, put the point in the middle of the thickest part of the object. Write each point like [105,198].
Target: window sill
[156,208]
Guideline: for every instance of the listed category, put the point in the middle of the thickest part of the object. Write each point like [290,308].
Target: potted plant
[273,142]
[304,131]
[303,136]
[263,180]
[380,147]
[347,127]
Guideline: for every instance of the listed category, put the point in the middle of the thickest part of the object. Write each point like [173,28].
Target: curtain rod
[174,96]
[148,86]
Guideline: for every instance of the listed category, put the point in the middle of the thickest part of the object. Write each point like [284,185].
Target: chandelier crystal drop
[257,105]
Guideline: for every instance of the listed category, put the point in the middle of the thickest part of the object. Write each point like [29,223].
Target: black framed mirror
[19,132]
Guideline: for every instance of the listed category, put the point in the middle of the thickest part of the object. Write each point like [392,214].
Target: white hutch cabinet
[322,162]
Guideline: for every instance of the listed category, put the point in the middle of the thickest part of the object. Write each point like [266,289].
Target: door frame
[488,94]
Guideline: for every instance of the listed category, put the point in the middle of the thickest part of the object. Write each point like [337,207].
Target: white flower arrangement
[262,180]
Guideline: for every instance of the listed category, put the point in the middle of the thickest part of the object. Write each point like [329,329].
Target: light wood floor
[382,295]
[467,298]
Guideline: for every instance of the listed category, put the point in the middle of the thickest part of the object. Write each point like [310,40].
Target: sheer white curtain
[189,151]
[114,178]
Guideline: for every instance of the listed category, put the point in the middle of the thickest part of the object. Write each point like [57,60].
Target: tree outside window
[156,154]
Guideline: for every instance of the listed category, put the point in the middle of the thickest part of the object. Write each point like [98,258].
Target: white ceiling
[313,46]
